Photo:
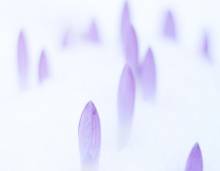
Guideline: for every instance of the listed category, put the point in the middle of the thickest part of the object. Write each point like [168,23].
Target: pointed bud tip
[21,34]
[131,47]
[22,60]
[43,70]
[195,161]
[126,94]
[126,6]
[93,32]
[196,149]
[149,52]
[21,40]
[196,146]
[125,22]
[67,38]
[90,105]
[128,75]
[125,13]
[205,45]
[43,53]
[127,69]
[148,76]
[169,28]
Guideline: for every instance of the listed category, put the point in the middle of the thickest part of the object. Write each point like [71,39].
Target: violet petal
[148,75]
[93,33]
[169,28]
[89,132]
[22,60]
[195,161]
[126,101]
[205,47]
[131,48]
[67,38]
[125,21]
[43,70]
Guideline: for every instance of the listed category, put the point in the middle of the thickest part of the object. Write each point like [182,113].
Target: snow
[39,126]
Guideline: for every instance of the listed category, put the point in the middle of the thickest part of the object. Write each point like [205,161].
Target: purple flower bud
[169,28]
[195,162]
[205,45]
[43,70]
[125,21]
[93,33]
[66,38]
[22,60]
[148,75]
[131,48]
[89,135]
[126,101]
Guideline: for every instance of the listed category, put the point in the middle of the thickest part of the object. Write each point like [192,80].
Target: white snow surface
[39,126]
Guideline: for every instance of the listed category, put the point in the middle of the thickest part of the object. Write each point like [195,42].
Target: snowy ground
[38,127]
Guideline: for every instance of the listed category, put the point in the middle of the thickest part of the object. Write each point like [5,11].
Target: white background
[38,127]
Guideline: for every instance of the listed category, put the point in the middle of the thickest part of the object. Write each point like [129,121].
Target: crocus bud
[67,38]
[169,27]
[131,48]
[93,32]
[205,45]
[125,21]
[148,76]
[126,101]
[89,136]
[22,60]
[195,161]
[43,70]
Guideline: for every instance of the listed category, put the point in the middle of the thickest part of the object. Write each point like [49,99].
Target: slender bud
[169,28]
[131,48]
[22,60]
[148,76]
[195,161]
[93,32]
[205,45]
[43,70]
[89,132]
[125,21]
[126,101]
